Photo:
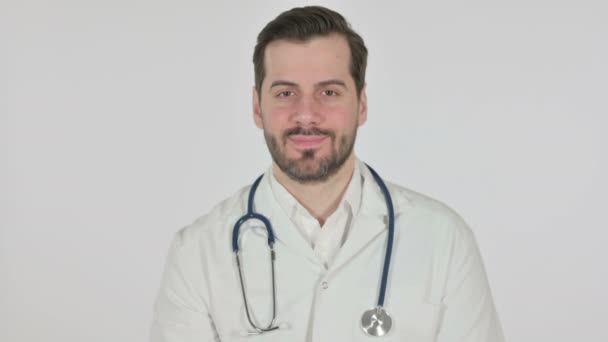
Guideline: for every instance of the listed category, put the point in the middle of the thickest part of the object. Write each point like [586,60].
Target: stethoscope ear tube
[271,325]
[250,215]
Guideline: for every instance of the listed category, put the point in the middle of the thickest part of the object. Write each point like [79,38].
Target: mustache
[309,131]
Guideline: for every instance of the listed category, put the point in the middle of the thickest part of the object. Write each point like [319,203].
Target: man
[330,220]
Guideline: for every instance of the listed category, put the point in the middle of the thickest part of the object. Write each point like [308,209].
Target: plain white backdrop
[123,121]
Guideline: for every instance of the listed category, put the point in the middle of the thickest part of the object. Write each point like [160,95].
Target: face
[308,106]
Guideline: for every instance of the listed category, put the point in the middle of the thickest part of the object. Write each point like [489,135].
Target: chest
[315,303]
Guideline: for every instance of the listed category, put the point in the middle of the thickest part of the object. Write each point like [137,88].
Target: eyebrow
[319,84]
[282,83]
[332,82]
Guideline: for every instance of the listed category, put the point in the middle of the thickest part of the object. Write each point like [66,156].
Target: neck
[320,199]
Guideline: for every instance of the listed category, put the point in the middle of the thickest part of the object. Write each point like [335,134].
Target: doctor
[350,261]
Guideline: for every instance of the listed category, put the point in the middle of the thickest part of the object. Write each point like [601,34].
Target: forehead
[319,58]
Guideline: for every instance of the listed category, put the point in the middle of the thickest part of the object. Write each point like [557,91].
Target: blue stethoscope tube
[251,215]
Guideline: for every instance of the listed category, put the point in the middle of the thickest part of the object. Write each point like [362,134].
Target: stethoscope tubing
[250,215]
[391,234]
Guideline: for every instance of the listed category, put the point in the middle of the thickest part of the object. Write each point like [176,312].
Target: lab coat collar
[372,219]
[285,232]
[367,225]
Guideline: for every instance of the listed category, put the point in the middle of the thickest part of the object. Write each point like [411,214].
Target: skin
[308,89]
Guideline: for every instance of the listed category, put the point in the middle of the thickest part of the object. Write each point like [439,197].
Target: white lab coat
[437,287]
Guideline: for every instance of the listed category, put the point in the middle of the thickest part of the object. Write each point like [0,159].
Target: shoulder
[430,214]
[215,224]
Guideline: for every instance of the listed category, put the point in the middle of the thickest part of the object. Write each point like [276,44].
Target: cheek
[275,118]
[343,118]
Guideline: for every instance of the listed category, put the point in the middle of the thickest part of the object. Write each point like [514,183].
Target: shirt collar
[351,198]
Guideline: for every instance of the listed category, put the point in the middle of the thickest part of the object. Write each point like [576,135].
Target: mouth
[301,141]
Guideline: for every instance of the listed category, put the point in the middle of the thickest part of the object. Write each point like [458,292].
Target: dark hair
[304,23]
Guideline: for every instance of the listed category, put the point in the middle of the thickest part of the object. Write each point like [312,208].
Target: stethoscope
[374,322]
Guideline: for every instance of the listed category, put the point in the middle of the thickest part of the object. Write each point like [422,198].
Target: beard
[309,168]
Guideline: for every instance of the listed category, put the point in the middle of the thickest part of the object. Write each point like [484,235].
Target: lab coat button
[324,285]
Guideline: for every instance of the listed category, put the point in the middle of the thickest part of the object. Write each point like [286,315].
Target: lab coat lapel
[370,222]
[285,232]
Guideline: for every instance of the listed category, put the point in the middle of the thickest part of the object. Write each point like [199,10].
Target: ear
[362,115]
[257,111]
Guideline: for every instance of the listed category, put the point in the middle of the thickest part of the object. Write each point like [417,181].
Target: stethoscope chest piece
[376,322]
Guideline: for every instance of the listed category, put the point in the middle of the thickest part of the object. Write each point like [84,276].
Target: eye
[285,93]
[329,92]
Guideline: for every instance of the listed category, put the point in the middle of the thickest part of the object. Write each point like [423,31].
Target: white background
[123,121]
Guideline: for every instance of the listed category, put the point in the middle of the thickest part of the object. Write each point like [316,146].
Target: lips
[307,141]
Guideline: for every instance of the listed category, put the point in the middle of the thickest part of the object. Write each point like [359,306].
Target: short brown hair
[304,23]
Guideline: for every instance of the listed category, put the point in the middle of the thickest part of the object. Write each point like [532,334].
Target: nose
[307,112]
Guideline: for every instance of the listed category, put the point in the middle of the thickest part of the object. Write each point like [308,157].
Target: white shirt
[437,287]
[327,240]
